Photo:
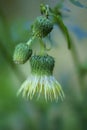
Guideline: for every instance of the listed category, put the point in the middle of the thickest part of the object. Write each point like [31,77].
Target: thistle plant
[41,81]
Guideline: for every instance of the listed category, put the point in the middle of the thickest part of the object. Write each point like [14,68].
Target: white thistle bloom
[41,81]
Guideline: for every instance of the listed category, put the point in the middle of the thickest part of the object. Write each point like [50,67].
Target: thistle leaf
[77,3]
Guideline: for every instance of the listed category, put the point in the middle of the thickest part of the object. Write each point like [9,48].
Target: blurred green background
[16,113]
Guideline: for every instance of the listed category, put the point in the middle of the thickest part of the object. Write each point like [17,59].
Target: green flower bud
[42,64]
[22,53]
[42,26]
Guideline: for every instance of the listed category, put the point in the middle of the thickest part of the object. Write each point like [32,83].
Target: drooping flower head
[42,81]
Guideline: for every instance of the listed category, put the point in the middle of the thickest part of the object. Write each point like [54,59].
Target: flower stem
[43,47]
[29,42]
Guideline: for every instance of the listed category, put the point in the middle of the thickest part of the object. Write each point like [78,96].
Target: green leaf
[77,3]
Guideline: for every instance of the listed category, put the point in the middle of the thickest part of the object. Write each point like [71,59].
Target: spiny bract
[42,64]
[42,26]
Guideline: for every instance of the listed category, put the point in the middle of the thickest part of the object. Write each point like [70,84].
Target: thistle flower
[42,81]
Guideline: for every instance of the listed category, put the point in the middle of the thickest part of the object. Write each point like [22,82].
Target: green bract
[42,26]
[22,53]
[42,64]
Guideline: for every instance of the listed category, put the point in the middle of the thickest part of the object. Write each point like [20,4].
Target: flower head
[42,81]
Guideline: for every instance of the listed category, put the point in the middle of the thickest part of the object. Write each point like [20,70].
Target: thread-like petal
[42,84]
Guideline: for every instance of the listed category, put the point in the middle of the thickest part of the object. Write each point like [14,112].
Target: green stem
[43,47]
[58,20]
[29,42]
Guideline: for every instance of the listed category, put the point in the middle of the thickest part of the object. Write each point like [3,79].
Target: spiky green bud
[22,53]
[42,26]
[42,64]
